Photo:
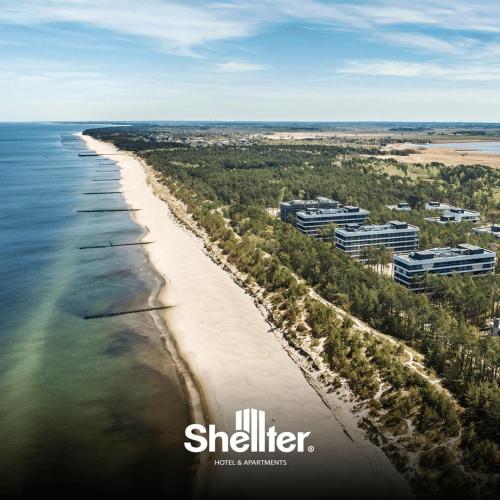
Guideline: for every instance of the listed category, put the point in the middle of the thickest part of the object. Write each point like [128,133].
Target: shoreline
[230,349]
[196,405]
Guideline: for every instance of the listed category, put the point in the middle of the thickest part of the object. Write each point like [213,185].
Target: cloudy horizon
[379,60]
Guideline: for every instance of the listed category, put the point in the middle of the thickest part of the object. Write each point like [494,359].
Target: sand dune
[239,364]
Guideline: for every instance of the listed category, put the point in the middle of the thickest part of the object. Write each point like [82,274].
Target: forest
[246,182]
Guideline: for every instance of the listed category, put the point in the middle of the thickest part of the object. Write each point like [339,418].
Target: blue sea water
[85,405]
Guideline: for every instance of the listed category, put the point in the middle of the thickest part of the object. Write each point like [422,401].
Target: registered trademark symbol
[310,449]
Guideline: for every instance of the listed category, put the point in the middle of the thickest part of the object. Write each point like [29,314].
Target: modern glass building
[437,205]
[409,269]
[396,236]
[455,214]
[493,230]
[310,221]
[400,207]
[288,209]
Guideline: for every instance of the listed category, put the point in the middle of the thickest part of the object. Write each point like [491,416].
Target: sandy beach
[239,363]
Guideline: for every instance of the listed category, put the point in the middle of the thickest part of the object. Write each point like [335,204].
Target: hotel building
[464,259]
[396,236]
[289,209]
[455,215]
[400,207]
[493,230]
[310,221]
[437,205]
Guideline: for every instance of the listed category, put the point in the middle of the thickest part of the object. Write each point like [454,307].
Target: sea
[86,405]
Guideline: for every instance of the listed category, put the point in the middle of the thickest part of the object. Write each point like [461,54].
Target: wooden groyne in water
[121,313]
[104,192]
[113,245]
[100,154]
[109,210]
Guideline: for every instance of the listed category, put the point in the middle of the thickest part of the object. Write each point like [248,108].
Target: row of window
[414,266]
[379,235]
[450,269]
[366,241]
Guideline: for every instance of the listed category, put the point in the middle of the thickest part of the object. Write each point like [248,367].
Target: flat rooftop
[312,212]
[464,211]
[318,199]
[445,253]
[437,205]
[376,228]
[449,209]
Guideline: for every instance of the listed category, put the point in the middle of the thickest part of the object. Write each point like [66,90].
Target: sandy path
[240,364]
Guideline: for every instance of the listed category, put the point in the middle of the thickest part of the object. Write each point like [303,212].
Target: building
[464,259]
[437,205]
[289,209]
[311,221]
[400,207]
[455,214]
[396,236]
[493,230]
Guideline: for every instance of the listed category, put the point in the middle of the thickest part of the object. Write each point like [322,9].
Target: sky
[308,60]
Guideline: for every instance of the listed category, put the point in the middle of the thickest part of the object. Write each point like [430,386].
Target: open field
[447,156]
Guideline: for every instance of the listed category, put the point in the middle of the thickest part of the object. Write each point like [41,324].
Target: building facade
[396,236]
[455,214]
[493,230]
[409,270]
[289,209]
[400,207]
[437,205]
[311,222]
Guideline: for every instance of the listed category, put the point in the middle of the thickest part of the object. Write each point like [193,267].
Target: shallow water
[480,146]
[84,405]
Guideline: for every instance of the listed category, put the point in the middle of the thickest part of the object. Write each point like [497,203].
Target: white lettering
[250,435]
[284,439]
[190,434]
[301,437]
[212,439]
[237,440]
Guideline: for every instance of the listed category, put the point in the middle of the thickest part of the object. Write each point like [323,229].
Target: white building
[289,209]
[455,214]
[464,259]
[400,207]
[493,230]
[311,221]
[437,205]
[395,236]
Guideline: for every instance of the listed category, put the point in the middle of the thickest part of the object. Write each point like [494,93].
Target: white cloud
[465,72]
[460,46]
[482,16]
[182,27]
[175,27]
[239,67]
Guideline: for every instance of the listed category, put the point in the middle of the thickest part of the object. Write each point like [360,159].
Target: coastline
[238,363]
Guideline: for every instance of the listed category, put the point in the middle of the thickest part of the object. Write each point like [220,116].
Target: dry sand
[239,363]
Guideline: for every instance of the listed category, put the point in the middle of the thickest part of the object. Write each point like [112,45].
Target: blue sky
[250,60]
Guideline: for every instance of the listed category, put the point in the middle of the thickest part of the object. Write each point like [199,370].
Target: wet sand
[239,363]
